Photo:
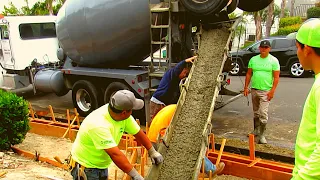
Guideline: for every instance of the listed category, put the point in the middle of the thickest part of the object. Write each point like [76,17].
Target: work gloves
[155,156]
[135,175]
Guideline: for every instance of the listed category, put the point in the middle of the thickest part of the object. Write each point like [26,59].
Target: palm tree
[257,17]
[292,7]
[270,18]
[50,6]
[283,7]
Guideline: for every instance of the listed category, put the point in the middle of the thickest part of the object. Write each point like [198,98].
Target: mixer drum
[105,33]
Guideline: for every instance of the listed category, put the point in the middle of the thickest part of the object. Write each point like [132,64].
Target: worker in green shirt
[263,72]
[96,144]
[307,150]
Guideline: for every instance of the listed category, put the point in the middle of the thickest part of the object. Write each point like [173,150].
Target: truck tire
[85,97]
[232,6]
[112,88]
[204,7]
[253,5]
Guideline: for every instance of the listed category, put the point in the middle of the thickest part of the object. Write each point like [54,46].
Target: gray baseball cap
[125,100]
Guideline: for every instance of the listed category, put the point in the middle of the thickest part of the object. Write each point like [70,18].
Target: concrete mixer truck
[102,45]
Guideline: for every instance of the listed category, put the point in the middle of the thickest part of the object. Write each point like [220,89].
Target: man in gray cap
[96,144]
[263,72]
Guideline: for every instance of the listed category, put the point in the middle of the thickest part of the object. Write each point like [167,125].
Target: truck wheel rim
[297,69]
[236,68]
[83,100]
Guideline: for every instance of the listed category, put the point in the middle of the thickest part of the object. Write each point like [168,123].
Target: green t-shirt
[262,71]
[307,151]
[98,132]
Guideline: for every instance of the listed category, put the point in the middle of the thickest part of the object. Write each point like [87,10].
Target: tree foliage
[313,12]
[43,7]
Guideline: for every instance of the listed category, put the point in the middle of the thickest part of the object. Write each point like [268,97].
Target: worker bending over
[168,90]
[96,144]
[158,127]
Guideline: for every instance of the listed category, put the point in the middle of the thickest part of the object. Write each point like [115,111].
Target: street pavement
[235,119]
[285,110]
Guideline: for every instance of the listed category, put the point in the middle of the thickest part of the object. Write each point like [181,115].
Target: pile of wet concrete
[183,152]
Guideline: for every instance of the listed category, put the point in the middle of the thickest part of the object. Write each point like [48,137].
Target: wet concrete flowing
[184,148]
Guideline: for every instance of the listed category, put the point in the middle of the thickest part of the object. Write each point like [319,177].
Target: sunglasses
[264,47]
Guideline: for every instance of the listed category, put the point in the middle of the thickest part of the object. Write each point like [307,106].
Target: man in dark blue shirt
[168,90]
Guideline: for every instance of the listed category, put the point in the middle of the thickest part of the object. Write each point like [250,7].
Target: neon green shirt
[262,71]
[98,132]
[307,151]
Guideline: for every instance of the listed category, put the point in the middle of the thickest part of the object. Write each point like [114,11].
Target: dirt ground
[18,167]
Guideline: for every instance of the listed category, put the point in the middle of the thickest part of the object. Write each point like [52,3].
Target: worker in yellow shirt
[158,127]
[307,150]
[96,144]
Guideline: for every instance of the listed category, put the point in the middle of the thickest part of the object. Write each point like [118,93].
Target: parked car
[282,48]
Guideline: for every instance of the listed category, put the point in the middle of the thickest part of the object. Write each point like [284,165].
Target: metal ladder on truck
[160,21]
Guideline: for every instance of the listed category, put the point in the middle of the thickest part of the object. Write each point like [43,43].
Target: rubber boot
[262,139]
[256,125]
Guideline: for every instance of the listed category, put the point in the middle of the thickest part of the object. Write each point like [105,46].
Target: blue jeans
[208,165]
[91,173]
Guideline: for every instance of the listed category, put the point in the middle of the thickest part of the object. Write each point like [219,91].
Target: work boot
[219,168]
[262,139]
[256,125]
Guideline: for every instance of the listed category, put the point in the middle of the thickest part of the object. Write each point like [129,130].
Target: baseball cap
[125,100]
[308,33]
[265,43]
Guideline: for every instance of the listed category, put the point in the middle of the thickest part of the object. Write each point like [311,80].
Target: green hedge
[313,12]
[14,123]
[289,21]
[287,30]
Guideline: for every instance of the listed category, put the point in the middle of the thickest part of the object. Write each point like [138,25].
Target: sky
[20,3]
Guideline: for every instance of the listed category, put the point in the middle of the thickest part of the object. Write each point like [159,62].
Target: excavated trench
[185,145]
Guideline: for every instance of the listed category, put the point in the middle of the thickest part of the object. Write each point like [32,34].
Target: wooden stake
[147,127]
[142,166]
[221,151]
[31,110]
[58,159]
[3,173]
[127,145]
[52,114]
[252,147]
[203,168]
[145,155]
[68,117]
[210,175]
[115,174]
[69,127]
[212,143]
[77,115]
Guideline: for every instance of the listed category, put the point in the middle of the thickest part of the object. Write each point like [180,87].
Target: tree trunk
[283,8]
[269,19]
[292,7]
[258,21]
[50,7]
